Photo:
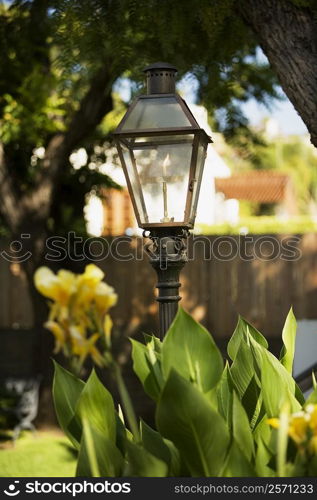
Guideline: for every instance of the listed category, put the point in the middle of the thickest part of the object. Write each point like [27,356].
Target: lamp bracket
[167,250]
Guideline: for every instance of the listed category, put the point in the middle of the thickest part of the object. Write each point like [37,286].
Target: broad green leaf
[142,463]
[252,402]
[289,338]
[236,464]
[262,459]
[147,367]
[98,455]
[242,368]
[241,428]
[66,391]
[154,443]
[96,404]
[239,333]
[161,448]
[224,395]
[190,349]
[277,384]
[186,418]
[177,467]
[263,432]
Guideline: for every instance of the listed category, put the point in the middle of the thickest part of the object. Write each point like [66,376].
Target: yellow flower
[302,425]
[46,282]
[58,333]
[58,287]
[298,427]
[312,412]
[273,422]
[107,327]
[87,284]
[78,309]
[92,275]
[105,297]
[82,346]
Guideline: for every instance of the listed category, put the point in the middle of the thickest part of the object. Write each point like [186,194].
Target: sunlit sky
[280,110]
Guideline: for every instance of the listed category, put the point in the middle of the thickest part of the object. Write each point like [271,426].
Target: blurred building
[260,186]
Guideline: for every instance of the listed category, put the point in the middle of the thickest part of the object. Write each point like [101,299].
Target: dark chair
[20,397]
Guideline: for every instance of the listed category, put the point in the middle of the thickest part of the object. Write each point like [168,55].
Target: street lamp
[162,150]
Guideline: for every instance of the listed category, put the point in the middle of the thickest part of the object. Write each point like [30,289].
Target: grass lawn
[47,454]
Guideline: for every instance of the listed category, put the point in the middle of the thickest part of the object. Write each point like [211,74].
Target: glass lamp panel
[154,113]
[134,181]
[163,172]
[201,156]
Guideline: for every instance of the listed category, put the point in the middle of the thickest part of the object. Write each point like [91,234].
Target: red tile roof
[261,186]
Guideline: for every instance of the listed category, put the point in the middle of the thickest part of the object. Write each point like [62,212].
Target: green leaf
[146,365]
[190,349]
[277,384]
[154,443]
[154,342]
[66,392]
[262,459]
[240,331]
[161,448]
[236,464]
[242,368]
[299,395]
[98,455]
[241,428]
[186,418]
[289,338]
[96,405]
[224,395]
[122,434]
[252,402]
[141,463]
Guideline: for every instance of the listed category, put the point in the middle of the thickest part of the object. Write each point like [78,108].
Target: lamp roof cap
[160,66]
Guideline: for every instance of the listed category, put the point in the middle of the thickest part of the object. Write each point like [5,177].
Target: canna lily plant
[79,312]
[244,417]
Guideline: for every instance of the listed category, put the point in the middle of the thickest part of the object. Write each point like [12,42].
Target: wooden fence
[260,277]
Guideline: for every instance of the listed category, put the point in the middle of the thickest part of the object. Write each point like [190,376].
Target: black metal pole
[168,255]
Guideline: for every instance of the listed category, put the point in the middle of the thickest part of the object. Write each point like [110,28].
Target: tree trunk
[287,35]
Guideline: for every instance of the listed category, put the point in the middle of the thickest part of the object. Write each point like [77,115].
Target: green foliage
[197,357]
[52,50]
[262,225]
[289,337]
[211,420]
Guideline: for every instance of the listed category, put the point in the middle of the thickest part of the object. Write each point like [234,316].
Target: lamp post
[162,150]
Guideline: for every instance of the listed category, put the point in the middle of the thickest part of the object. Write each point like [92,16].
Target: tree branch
[94,106]
[287,35]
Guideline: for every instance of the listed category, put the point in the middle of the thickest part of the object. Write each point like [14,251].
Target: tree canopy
[61,59]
